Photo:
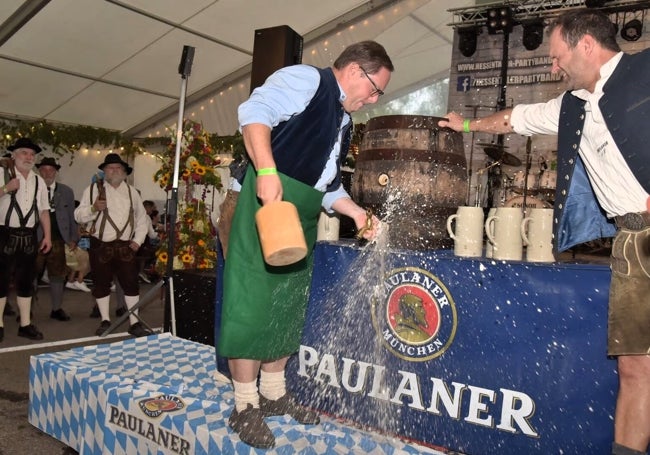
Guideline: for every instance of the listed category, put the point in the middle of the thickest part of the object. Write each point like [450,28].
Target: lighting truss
[530,9]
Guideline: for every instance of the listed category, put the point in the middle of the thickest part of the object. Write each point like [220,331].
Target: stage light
[632,30]
[533,34]
[467,38]
[499,19]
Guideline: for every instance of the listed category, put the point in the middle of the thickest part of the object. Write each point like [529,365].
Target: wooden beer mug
[281,236]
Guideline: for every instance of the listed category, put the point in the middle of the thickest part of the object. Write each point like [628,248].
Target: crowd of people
[104,242]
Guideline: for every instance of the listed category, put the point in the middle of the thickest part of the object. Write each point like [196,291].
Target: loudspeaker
[194,301]
[274,48]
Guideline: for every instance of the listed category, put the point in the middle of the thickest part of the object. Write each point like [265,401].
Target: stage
[159,395]
[470,355]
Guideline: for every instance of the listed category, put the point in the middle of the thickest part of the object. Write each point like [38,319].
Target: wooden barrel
[413,174]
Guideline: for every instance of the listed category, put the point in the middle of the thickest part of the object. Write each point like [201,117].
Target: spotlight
[467,38]
[631,31]
[499,19]
[533,34]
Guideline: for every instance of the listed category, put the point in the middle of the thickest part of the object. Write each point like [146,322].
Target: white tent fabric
[114,64]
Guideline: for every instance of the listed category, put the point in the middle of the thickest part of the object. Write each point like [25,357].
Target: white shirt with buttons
[614,184]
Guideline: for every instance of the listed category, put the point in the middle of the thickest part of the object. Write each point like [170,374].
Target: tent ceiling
[114,63]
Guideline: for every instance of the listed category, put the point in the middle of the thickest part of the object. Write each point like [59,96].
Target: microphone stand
[184,69]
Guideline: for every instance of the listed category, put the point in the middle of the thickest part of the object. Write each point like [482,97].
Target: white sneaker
[70,285]
[81,286]
[144,277]
[113,287]
[45,278]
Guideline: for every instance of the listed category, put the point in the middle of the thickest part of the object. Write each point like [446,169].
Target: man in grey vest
[65,232]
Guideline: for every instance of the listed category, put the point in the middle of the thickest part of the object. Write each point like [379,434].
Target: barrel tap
[367,227]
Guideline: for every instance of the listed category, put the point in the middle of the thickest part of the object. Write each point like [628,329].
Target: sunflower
[194,233]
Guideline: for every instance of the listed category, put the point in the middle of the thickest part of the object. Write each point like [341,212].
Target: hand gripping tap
[367,227]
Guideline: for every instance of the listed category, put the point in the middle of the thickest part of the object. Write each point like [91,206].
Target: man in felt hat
[23,206]
[118,226]
[65,232]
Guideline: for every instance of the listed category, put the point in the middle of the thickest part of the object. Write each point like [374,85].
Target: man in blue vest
[297,129]
[603,128]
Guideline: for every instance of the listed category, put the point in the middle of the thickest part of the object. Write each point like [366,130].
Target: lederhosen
[18,248]
[114,258]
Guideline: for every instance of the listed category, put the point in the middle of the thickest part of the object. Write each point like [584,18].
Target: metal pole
[184,69]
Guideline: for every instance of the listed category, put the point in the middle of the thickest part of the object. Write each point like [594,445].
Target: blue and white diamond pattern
[76,396]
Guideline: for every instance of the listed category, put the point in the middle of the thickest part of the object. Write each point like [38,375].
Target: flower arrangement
[194,243]
[194,234]
[197,161]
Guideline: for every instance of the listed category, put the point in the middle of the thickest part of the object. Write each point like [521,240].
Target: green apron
[263,311]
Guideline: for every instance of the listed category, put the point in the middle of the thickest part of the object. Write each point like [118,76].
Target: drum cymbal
[497,152]
[491,144]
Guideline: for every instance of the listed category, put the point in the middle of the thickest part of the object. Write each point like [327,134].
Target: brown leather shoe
[252,429]
[286,404]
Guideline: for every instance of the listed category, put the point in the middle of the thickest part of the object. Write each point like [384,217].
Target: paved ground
[17,435]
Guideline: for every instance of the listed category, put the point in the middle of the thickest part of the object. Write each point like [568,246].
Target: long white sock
[3,303]
[246,393]
[272,385]
[130,301]
[103,305]
[24,306]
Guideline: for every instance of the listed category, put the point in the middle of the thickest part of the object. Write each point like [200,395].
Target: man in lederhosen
[296,129]
[65,232]
[603,186]
[117,217]
[23,205]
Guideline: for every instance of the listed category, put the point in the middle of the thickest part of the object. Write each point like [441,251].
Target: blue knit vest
[302,145]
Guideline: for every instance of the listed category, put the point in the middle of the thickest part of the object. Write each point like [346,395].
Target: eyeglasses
[377,91]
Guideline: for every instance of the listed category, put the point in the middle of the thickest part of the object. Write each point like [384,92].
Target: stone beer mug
[537,235]
[328,226]
[468,235]
[489,248]
[503,230]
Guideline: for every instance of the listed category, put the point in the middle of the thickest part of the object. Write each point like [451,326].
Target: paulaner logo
[154,407]
[415,316]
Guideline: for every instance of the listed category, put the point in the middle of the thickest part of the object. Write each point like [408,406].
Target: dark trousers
[18,249]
